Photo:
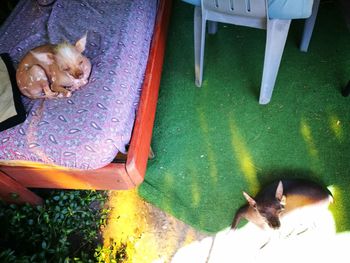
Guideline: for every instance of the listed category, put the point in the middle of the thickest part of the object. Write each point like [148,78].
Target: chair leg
[309,27]
[346,91]
[276,36]
[151,154]
[212,27]
[199,43]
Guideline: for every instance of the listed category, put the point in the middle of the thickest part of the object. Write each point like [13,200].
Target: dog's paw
[52,95]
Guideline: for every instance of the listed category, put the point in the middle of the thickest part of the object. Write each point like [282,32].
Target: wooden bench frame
[15,179]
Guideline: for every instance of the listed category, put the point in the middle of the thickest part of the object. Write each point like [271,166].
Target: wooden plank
[13,192]
[142,134]
[110,177]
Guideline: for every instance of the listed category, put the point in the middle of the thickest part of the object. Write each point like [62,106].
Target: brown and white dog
[51,71]
[279,199]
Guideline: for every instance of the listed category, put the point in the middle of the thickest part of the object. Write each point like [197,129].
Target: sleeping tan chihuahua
[52,71]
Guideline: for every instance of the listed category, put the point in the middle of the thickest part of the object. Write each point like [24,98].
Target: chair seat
[281,9]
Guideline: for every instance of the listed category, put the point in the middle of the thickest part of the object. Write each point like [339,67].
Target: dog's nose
[78,74]
[275,224]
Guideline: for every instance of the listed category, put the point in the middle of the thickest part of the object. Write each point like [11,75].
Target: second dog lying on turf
[280,198]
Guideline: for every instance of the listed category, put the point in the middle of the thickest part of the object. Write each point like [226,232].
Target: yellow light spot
[127,227]
[167,183]
[244,158]
[213,171]
[338,207]
[144,232]
[336,127]
[190,237]
[196,194]
[307,136]
[168,180]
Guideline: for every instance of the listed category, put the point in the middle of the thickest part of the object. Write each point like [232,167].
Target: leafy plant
[65,229]
[114,253]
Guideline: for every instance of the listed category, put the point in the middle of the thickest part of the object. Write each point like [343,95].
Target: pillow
[11,108]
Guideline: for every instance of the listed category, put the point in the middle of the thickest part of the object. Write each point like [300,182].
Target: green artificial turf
[211,143]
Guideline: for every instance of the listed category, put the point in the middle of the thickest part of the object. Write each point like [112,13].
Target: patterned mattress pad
[87,130]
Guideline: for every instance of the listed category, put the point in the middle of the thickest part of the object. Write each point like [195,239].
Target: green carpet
[211,143]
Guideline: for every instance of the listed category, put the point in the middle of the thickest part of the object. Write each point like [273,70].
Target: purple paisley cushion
[87,130]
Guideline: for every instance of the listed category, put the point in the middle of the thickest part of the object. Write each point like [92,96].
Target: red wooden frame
[16,179]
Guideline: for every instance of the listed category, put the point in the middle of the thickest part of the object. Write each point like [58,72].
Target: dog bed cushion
[87,130]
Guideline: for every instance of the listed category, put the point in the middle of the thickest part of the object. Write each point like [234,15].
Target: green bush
[65,229]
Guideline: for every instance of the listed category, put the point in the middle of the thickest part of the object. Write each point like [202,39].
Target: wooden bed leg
[13,192]
[151,154]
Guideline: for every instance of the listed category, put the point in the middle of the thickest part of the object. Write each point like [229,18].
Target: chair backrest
[254,8]
[236,11]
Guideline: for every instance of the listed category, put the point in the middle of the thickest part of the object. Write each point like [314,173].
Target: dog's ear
[81,43]
[279,191]
[250,200]
[44,57]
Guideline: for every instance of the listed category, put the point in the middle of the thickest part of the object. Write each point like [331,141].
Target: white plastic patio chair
[251,13]
[309,27]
